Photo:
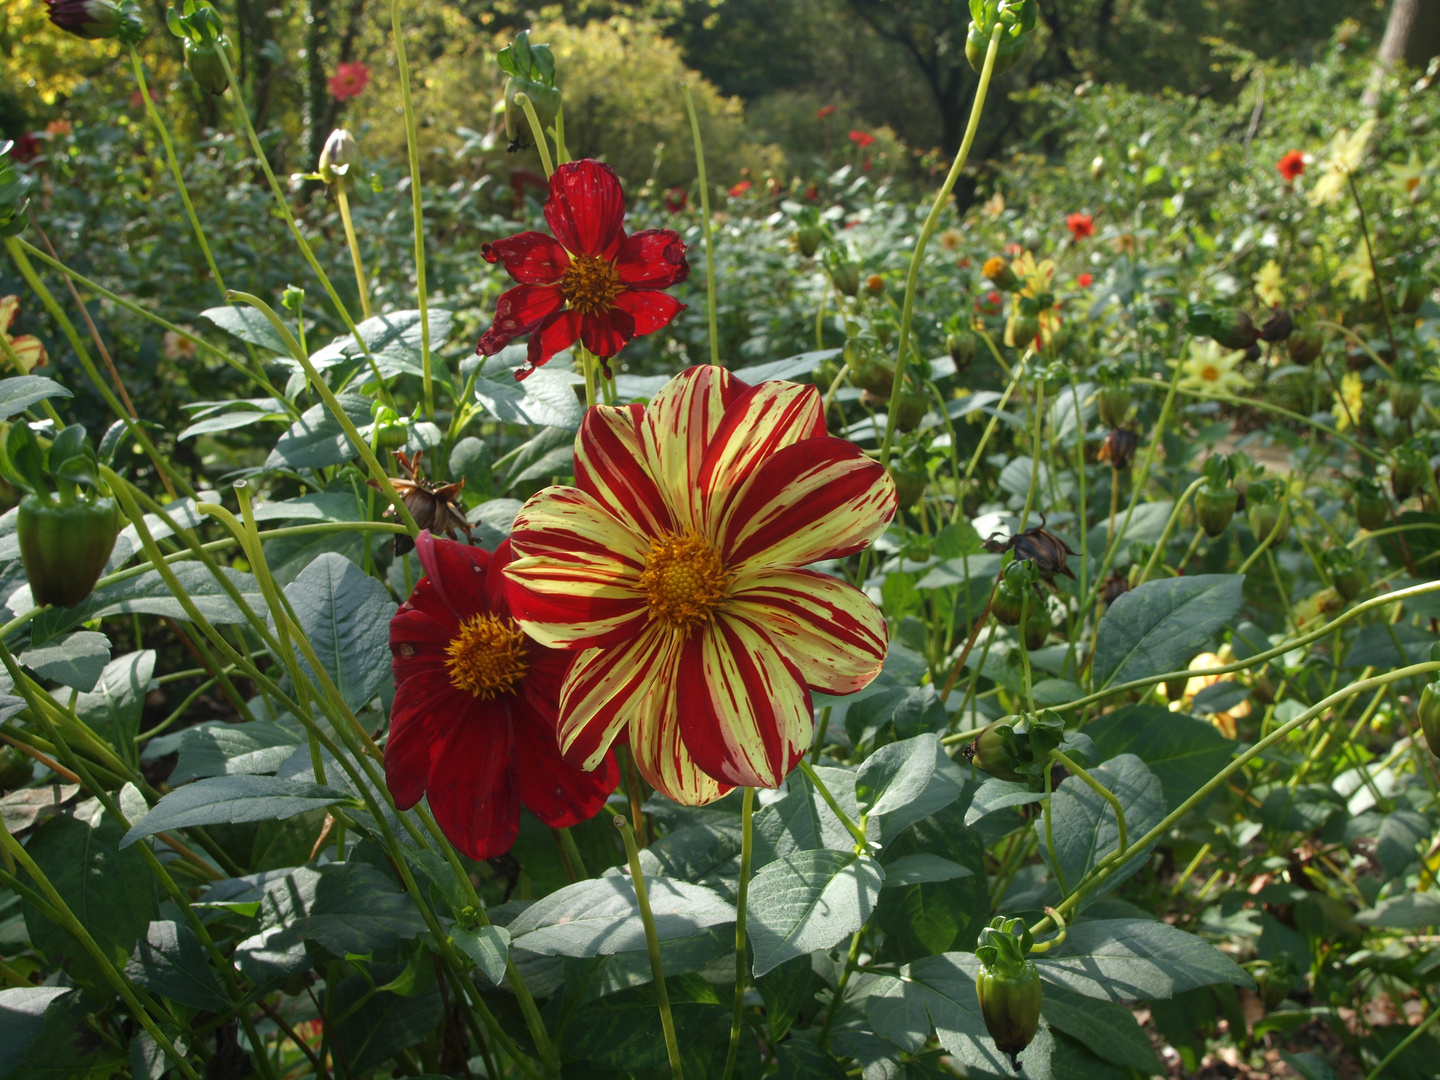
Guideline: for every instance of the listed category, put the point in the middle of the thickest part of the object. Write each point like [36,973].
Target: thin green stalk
[412,143]
[572,852]
[747,832]
[852,960]
[1281,520]
[932,221]
[652,943]
[850,827]
[706,229]
[542,144]
[362,286]
[1169,528]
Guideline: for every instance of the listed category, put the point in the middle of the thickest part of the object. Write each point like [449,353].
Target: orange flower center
[487,656]
[686,580]
[590,284]
[1210,373]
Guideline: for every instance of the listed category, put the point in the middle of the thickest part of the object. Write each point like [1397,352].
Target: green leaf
[75,660]
[897,774]
[1409,911]
[921,869]
[19,392]
[800,364]
[807,901]
[171,962]
[317,440]
[622,1031]
[247,324]
[114,707]
[488,946]
[1161,625]
[109,890]
[802,1060]
[1108,1029]
[231,800]
[1084,826]
[1302,809]
[601,916]
[545,398]
[801,821]
[693,853]
[1309,1066]
[996,794]
[65,1046]
[941,897]
[787,990]
[346,615]
[220,749]
[22,1015]
[1182,751]
[1135,960]
[375,1028]
[393,336]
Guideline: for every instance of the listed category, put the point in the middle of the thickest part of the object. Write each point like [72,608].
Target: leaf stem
[850,826]
[412,143]
[747,833]
[708,231]
[652,944]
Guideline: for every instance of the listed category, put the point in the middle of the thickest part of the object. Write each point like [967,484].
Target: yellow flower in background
[1351,398]
[1224,721]
[1212,370]
[1356,274]
[1036,276]
[1270,284]
[994,206]
[1347,151]
[1413,179]
[26,347]
[951,239]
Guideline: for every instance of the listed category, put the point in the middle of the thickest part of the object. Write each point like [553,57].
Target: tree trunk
[1413,33]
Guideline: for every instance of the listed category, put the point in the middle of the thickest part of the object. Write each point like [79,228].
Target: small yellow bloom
[1347,151]
[1224,721]
[950,239]
[1037,278]
[1350,402]
[1410,179]
[1209,369]
[1356,274]
[994,206]
[26,347]
[1270,284]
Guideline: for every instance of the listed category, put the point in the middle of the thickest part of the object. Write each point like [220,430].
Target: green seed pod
[1008,987]
[1007,605]
[544,99]
[808,239]
[202,59]
[1410,294]
[1407,473]
[1405,398]
[1037,625]
[910,408]
[65,547]
[1430,716]
[1264,518]
[1214,509]
[1304,345]
[909,485]
[873,374]
[994,750]
[1372,510]
[1114,405]
[962,347]
[1233,328]
[1021,331]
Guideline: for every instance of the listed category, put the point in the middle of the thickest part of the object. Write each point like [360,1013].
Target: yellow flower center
[1210,373]
[590,284]
[487,656]
[685,579]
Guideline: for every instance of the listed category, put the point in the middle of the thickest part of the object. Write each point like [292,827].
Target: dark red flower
[1084,281]
[1291,166]
[676,199]
[736,190]
[94,20]
[349,80]
[824,111]
[862,139]
[476,706]
[589,282]
[1080,225]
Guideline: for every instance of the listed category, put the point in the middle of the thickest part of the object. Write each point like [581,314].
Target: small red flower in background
[1081,226]
[1084,281]
[862,139]
[812,193]
[990,303]
[676,199]
[27,147]
[824,111]
[736,190]
[1013,249]
[349,80]
[1291,166]
[589,282]
[473,727]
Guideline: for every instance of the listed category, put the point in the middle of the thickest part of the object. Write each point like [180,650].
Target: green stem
[652,943]
[542,145]
[1281,520]
[853,829]
[1169,528]
[746,850]
[342,199]
[706,228]
[412,142]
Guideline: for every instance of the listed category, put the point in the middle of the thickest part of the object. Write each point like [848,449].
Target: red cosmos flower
[1291,166]
[676,199]
[473,724]
[862,139]
[1084,281]
[824,111]
[589,281]
[349,80]
[1081,226]
[676,567]
[736,190]
[27,147]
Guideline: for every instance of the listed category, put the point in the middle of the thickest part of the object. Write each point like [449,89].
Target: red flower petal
[473,790]
[418,639]
[586,208]
[649,309]
[532,258]
[422,702]
[608,332]
[456,570]
[680,423]
[747,717]
[518,311]
[558,794]
[652,259]
[610,689]
[610,466]
[557,332]
[665,761]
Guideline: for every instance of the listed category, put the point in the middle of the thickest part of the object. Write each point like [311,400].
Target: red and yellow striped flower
[676,566]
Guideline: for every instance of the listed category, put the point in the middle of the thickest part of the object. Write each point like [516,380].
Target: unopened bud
[97,20]
[339,157]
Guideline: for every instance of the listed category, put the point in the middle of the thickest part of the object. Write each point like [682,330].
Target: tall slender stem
[412,143]
[652,943]
[707,230]
[747,832]
[343,199]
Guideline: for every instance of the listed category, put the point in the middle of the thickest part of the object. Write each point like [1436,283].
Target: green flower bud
[910,408]
[808,239]
[1410,293]
[98,20]
[1008,986]
[1430,716]
[1372,510]
[909,485]
[873,373]
[1007,605]
[1021,331]
[1037,625]
[1405,398]
[1407,472]
[1214,509]
[1304,345]
[1114,404]
[12,195]
[340,157]
[962,347]
[1015,18]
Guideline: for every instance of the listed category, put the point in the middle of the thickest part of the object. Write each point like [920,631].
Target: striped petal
[832,631]
[818,499]
[762,420]
[680,423]
[574,583]
[747,716]
[610,465]
[610,688]
[29,351]
[662,755]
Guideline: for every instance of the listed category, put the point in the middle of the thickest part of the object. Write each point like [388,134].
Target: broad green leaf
[170,961]
[75,660]
[396,335]
[1374,646]
[228,421]
[801,820]
[64,1047]
[1161,625]
[787,990]
[1146,525]
[622,1031]
[247,324]
[601,916]
[996,794]
[1309,1066]
[1300,809]
[800,364]
[333,505]
[1135,960]
[317,440]
[940,897]
[109,890]
[802,1060]
[693,853]
[232,799]
[220,749]
[114,707]
[1084,826]
[896,774]
[1108,1029]
[488,946]
[544,398]
[901,712]
[346,615]
[1182,751]
[22,1015]
[375,1028]
[1409,911]
[922,869]
[19,392]
[809,900]
[25,806]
